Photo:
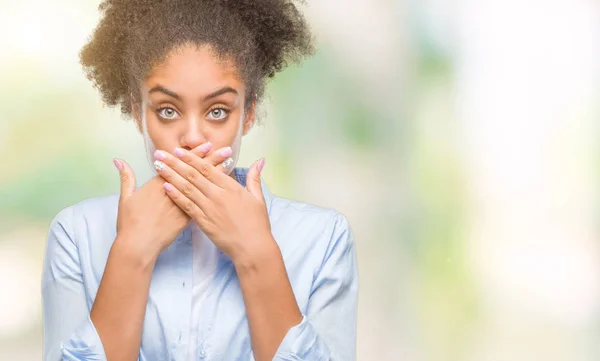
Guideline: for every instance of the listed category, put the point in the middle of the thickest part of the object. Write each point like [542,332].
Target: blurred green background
[458,137]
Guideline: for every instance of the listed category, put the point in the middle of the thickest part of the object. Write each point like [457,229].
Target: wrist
[134,252]
[256,258]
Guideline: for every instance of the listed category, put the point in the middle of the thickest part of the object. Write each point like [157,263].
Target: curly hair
[260,36]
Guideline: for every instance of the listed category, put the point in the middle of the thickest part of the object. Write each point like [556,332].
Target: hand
[147,217]
[234,218]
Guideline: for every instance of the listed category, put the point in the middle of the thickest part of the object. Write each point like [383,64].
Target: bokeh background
[459,137]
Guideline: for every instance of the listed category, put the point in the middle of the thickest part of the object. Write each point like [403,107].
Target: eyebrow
[224,90]
[221,91]
[161,89]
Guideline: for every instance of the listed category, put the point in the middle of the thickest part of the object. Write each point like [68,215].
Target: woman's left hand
[234,218]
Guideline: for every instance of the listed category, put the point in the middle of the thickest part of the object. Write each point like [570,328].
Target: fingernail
[227,163]
[179,152]
[160,155]
[205,147]
[168,187]
[118,164]
[226,152]
[158,165]
[261,164]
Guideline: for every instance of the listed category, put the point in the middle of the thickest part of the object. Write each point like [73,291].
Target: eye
[167,113]
[218,113]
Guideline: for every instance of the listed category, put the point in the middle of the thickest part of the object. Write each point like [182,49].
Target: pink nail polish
[227,152]
[168,187]
[159,155]
[179,152]
[118,164]
[205,147]
[261,164]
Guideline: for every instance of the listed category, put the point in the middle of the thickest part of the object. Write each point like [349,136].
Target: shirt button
[202,354]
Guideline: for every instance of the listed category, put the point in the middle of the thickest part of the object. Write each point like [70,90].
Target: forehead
[191,71]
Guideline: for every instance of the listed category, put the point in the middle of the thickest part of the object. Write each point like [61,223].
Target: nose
[193,135]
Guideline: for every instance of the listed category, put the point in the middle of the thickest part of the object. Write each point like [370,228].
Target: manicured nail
[168,187]
[160,155]
[261,164]
[179,152]
[158,165]
[118,164]
[227,163]
[205,147]
[226,152]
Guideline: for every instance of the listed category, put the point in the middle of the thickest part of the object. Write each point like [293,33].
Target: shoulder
[73,234]
[310,227]
[104,206]
[293,211]
[97,206]
[317,246]
[85,216]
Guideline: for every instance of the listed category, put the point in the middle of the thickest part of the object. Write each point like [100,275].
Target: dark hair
[260,36]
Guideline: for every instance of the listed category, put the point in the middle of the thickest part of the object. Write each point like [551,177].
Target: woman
[202,262]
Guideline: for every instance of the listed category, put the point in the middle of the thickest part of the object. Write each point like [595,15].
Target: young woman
[202,262]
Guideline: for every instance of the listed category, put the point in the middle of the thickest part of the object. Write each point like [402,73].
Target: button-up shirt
[317,246]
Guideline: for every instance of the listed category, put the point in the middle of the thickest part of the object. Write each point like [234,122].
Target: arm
[120,305]
[112,330]
[328,331]
[270,303]
[71,332]
[68,331]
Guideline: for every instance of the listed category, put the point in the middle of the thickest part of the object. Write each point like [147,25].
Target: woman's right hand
[148,220]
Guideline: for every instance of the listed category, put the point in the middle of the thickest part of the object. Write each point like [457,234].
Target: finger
[253,184]
[184,179]
[202,150]
[215,158]
[187,205]
[127,178]
[204,168]
[175,170]
[221,159]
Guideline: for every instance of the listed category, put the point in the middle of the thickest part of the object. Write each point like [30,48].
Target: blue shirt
[318,250]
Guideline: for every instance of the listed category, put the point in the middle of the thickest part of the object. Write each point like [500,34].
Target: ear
[136,113]
[250,118]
